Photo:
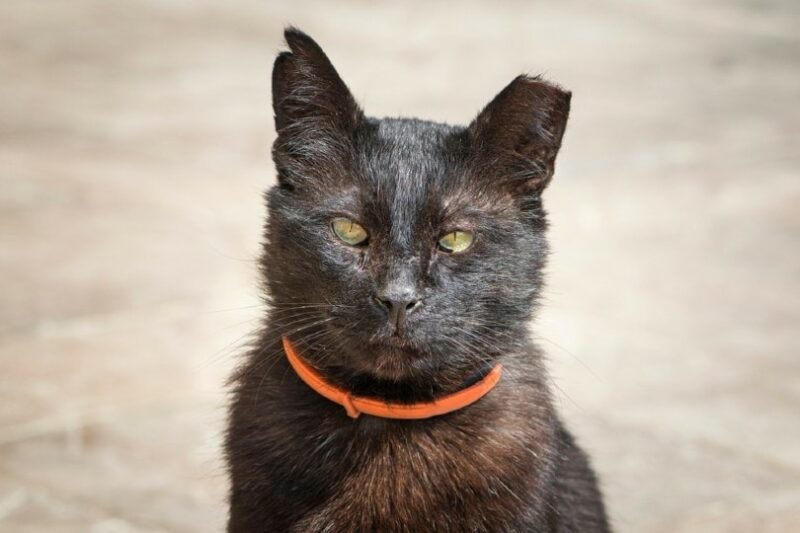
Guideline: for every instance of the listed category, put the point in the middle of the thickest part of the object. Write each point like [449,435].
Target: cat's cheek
[348,271]
[452,265]
[345,256]
[433,264]
[362,259]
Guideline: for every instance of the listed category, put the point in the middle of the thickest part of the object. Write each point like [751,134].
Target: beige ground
[134,145]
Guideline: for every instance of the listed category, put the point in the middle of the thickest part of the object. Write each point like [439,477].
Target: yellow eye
[348,231]
[456,241]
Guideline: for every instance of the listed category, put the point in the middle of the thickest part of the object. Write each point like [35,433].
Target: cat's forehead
[409,157]
[412,172]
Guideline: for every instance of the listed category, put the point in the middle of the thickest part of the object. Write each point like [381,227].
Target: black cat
[403,259]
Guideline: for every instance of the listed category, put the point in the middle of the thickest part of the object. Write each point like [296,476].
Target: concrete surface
[134,145]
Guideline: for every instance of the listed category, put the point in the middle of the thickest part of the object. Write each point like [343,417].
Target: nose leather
[399,295]
[398,309]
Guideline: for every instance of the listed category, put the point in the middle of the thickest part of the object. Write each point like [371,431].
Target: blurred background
[134,149]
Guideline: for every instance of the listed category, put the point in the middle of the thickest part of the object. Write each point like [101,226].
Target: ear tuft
[521,131]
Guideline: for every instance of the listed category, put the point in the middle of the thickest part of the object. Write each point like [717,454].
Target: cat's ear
[307,92]
[518,135]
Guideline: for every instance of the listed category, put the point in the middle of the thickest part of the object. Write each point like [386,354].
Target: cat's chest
[429,477]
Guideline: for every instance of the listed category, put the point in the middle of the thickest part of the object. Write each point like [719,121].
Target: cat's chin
[395,360]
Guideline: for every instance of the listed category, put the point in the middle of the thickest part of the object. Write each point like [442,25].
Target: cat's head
[396,247]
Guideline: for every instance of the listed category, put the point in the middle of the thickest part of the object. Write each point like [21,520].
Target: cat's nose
[397,308]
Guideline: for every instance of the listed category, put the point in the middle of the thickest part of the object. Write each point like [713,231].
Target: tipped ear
[521,130]
[306,89]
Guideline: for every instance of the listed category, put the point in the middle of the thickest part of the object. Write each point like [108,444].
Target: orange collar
[355,405]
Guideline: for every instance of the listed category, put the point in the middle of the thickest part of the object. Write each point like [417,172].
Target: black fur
[506,463]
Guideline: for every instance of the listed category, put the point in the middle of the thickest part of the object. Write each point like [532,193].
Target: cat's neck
[414,389]
[422,386]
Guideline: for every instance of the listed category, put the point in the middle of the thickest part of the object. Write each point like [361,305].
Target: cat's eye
[456,241]
[349,232]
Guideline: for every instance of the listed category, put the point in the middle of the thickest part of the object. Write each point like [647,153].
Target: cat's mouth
[395,347]
[384,354]
[394,341]
[394,357]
